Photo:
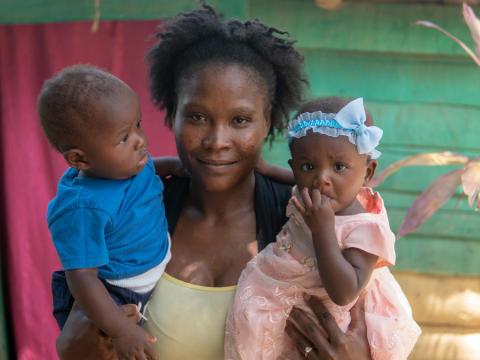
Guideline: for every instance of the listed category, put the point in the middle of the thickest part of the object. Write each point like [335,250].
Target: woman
[226,87]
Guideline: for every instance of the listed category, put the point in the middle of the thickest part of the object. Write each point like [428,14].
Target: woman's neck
[226,203]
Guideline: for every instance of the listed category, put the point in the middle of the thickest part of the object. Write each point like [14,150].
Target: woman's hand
[81,339]
[314,345]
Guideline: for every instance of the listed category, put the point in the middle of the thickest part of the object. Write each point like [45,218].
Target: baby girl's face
[333,166]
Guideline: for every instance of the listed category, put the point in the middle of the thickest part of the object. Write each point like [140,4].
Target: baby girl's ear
[371,167]
[76,158]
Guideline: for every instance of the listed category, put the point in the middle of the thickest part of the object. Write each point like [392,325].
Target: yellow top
[188,320]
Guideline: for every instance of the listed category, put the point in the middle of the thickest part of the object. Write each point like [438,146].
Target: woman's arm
[80,339]
[91,296]
[169,165]
[275,172]
[314,344]
[344,273]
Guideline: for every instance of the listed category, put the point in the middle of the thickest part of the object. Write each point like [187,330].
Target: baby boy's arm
[94,300]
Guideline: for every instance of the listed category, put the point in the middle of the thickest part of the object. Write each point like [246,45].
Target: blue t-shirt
[117,226]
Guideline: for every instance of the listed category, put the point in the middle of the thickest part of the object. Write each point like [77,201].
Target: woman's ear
[371,167]
[76,158]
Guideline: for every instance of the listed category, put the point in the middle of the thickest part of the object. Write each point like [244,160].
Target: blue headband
[349,122]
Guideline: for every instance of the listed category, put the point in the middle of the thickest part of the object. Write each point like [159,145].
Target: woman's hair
[195,39]
[65,104]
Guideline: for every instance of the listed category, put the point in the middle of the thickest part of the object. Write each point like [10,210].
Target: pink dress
[276,279]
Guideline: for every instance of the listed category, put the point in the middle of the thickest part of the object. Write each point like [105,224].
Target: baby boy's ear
[76,158]
[371,167]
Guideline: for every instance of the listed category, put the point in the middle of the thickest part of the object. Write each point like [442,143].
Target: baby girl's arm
[343,273]
[94,300]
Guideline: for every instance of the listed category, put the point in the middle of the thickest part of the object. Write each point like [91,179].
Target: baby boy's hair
[66,102]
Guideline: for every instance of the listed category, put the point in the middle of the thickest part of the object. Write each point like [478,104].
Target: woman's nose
[218,137]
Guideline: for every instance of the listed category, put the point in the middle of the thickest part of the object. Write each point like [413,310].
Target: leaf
[428,202]
[431,25]
[471,182]
[427,159]
[473,24]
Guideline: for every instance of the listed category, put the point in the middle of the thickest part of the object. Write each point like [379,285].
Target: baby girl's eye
[340,167]
[306,167]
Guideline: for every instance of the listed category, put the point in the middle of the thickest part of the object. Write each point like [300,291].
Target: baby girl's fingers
[306,199]
[298,205]
[317,197]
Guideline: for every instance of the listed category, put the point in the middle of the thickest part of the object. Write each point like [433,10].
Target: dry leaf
[427,159]
[473,24]
[430,201]
[471,182]
[431,25]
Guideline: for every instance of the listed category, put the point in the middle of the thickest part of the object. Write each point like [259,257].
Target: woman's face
[222,117]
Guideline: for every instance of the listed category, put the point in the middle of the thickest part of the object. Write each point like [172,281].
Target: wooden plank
[385,77]
[37,11]
[436,255]
[437,343]
[443,300]
[445,127]
[366,27]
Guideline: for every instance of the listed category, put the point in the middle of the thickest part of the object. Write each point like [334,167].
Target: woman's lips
[216,164]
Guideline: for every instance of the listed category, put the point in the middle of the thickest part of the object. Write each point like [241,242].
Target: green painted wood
[384,77]
[42,11]
[438,255]
[366,27]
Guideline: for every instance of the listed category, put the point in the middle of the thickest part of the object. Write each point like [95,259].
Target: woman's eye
[340,167]
[197,118]
[306,167]
[240,120]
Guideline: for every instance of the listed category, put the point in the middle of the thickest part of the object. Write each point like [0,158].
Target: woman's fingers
[335,334]
[301,343]
[308,329]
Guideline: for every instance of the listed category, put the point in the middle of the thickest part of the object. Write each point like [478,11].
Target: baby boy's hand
[316,211]
[134,343]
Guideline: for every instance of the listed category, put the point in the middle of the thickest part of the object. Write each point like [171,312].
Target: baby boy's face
[331,165]
[116,147]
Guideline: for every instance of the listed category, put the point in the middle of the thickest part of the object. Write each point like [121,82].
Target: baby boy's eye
[306,167]
[125,138]
[139,124]
[340,167]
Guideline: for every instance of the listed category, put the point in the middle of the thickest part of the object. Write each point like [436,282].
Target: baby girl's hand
[317,211]
[134,343]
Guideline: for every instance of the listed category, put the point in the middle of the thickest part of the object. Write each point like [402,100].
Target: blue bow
[352,117]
